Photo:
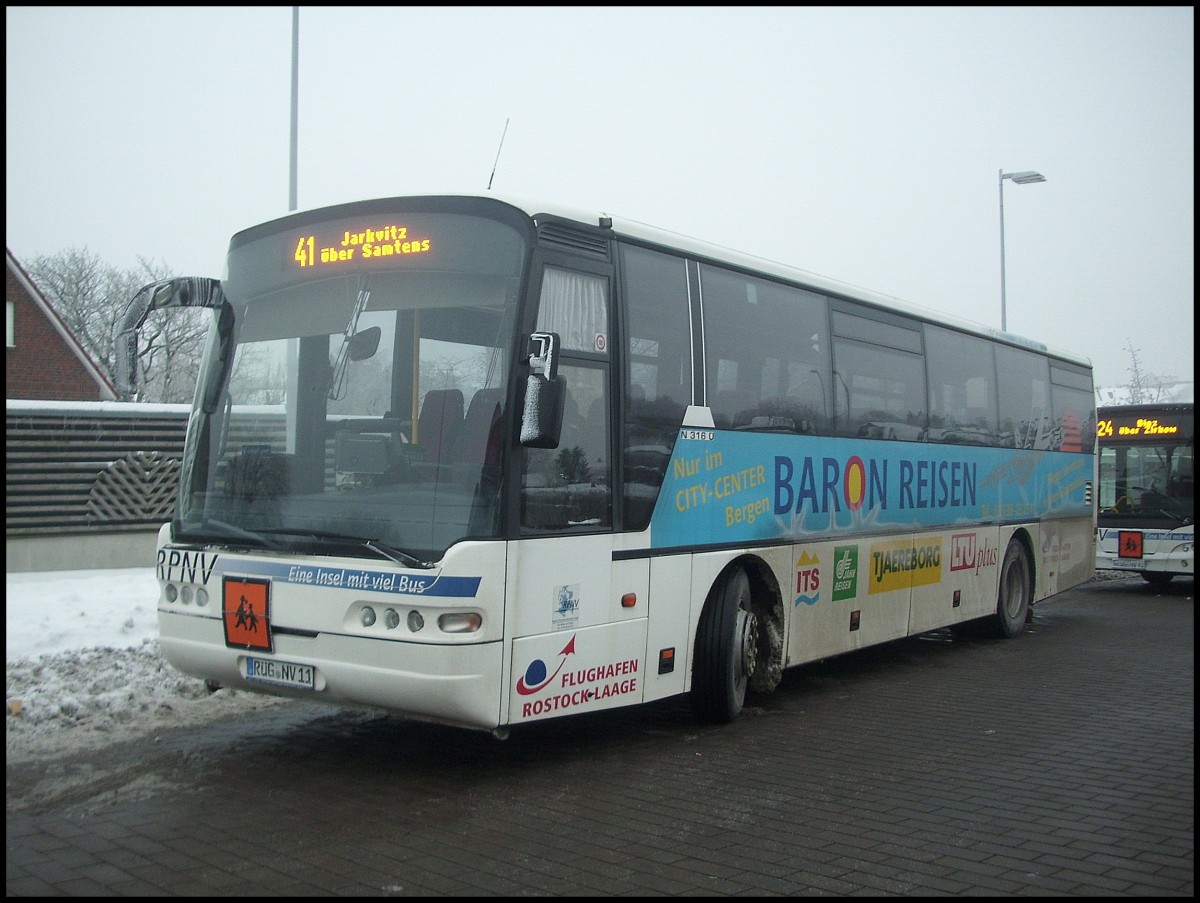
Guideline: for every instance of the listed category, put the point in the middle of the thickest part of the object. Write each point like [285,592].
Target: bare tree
[170,346]
[91,296]
[1144,387]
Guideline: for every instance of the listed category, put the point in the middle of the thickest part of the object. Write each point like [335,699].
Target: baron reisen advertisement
[723,487]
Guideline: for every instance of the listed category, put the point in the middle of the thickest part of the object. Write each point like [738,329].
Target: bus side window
[732,408]
[962,388]
[651,430]
[1023,384]
[767,353]
[569,487]
[657,377]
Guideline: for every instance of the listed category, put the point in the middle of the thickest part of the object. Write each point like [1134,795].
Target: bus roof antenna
[502,134]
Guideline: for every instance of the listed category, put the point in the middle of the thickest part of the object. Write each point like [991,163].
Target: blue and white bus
[482,461]
[1147,490]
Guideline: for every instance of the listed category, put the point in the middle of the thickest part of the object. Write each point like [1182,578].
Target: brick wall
[41,365]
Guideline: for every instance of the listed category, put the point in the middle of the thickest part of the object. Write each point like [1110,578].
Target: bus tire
[1016,590]
[727,640]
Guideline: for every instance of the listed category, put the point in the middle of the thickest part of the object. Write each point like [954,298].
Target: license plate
[284,674]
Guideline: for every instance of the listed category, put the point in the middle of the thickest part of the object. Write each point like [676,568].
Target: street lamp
[1021,178]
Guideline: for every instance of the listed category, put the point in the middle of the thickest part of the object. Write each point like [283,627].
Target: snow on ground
[83,667]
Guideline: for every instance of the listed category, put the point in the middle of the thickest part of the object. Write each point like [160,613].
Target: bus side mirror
[545,392]
[363,345]
[125,348]
[190,291]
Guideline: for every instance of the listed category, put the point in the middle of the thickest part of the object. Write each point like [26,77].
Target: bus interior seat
[479,441]
[476,455]
[439,423]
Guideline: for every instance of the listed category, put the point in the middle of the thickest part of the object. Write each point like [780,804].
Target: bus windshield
[357,401]
[1147,469]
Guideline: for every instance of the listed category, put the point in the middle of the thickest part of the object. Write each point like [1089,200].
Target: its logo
[808,579]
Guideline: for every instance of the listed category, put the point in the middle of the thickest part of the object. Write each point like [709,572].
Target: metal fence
[90,467]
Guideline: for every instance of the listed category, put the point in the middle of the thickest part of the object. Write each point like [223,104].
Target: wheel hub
[749,642]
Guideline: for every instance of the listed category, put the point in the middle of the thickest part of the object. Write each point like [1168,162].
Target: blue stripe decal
[357,578]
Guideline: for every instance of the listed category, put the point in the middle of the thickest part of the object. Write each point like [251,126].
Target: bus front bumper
[458,684]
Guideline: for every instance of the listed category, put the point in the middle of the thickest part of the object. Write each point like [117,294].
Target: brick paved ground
[1061,763]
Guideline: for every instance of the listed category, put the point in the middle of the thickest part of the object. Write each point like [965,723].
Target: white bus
[483,462]
[1147,490]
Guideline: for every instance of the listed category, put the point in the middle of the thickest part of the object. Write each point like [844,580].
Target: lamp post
[295,105]
[1021,178]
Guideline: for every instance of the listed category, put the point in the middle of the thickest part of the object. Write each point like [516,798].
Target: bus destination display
[1135,427]
[353,246]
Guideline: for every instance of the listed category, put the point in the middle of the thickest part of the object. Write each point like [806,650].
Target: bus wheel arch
[768,606]
[1014,594]
[739,641]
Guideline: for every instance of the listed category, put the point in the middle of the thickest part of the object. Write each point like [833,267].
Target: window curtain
[574,306]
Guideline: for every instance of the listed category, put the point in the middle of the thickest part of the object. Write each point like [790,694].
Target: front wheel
[1016,590]
[727,640]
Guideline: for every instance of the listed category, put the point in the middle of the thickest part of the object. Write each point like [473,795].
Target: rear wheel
[1016,590]
[727,639]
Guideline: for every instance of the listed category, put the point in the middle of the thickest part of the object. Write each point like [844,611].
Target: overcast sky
[864,144]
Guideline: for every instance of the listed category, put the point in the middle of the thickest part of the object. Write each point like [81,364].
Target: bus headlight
[460,622]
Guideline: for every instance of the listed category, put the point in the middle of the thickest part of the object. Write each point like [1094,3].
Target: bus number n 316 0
[702,435]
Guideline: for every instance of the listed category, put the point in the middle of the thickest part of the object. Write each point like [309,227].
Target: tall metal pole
[295,104]
[1025,177]
[1003,300]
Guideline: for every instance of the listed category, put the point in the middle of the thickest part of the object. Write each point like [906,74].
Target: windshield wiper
[1182,519]
[396,555]
[230,531]
[381,549]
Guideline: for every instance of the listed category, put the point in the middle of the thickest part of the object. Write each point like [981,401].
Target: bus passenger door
[576,647]
[579,631]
